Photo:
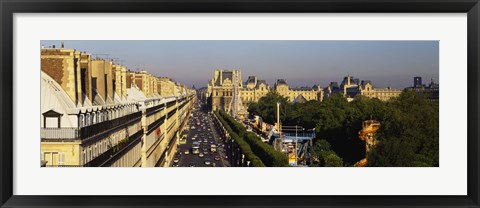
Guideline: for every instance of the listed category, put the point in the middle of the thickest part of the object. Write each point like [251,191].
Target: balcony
[60,133]
[155,109]
[91,131]
[110,125]
[113,154]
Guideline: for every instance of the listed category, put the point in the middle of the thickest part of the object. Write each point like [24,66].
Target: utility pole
[296,145]
[278,118]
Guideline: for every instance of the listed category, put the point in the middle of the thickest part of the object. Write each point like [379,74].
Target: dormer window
[52,119]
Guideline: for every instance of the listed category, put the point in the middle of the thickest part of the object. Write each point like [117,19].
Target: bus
[183,139]
[195,148]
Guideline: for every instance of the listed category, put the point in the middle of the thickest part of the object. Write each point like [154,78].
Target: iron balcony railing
[60,133]
[90,131]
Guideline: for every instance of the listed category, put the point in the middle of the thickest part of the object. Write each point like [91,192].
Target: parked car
[200,155]
[217,157]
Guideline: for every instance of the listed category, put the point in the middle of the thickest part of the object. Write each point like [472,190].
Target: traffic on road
[201,144]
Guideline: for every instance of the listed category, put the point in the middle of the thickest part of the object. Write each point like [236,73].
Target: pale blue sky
[301,63]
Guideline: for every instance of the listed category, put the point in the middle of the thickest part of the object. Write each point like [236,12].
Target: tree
[409,135]
[266,107]
[322,156]
[332,160]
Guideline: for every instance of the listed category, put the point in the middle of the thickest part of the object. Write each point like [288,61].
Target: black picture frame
[10,7]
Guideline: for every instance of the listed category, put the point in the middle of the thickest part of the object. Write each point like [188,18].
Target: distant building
[308,93]
[432,89]
[221,89]
[417,82]
[351,87]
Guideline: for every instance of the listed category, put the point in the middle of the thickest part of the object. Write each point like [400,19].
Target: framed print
[247,104]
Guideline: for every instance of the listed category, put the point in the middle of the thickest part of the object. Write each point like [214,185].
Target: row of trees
[244,147]
[408,136]
[268,156]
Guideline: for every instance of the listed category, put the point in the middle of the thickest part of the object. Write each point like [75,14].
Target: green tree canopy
[267,107]
[408,134]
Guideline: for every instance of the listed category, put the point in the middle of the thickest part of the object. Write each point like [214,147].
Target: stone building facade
[301,93]
[97,113]
[351,87]
[220,90]
[432,90]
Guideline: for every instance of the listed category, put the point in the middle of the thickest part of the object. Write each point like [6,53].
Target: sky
[301,63]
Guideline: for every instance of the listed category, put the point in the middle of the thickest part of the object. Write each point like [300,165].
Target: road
[202,130]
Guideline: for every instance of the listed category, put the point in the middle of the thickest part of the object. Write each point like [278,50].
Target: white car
[200,155]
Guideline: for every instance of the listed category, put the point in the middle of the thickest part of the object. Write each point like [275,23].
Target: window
[61,158]
[80,120]
[84,157]
[89,153]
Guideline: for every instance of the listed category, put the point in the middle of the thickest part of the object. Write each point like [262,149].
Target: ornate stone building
[221,90]
[301,93]
[226,91]
[351,87]
[432,89]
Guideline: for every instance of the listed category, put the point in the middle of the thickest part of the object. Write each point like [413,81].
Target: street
[204,136]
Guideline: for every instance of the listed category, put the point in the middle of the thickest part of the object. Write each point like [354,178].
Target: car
[186,152]
[205,152]
[200,155]
[217,157]
[212,142]
[176,159]
[207,161]
[192,164]
[175,165]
